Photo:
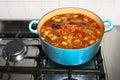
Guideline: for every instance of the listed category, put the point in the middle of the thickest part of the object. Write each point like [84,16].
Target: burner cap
[14,47]
[15,50]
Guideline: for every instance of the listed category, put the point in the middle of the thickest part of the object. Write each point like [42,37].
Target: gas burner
[14,51]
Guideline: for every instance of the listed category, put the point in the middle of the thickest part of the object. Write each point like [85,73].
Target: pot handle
[111,25]
[30,26]
[36,22]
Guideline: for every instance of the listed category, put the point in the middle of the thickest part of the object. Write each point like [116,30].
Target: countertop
[111,53]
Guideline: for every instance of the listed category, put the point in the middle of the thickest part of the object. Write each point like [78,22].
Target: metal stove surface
[32,51]
[35,65]
[75,76]
[48,70]
[81,72]
[10,30]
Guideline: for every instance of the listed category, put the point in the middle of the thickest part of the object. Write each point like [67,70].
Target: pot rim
[83,14]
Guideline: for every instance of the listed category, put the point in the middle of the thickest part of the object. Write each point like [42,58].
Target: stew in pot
[71,31]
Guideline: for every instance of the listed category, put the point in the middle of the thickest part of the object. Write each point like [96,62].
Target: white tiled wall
[35,9]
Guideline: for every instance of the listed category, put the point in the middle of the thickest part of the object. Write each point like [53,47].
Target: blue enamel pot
[70,57]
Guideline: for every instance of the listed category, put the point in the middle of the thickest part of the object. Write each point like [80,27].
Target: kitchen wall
[35,9]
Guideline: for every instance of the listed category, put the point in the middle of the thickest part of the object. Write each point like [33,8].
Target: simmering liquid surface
[71,31]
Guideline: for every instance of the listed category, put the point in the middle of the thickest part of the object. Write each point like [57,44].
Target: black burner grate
[45,67]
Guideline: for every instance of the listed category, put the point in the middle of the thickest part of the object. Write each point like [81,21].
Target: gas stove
[22,58]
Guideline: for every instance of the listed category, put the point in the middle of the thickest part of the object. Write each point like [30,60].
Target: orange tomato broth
[71,31]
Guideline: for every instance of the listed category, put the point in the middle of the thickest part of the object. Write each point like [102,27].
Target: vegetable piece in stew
[71,31]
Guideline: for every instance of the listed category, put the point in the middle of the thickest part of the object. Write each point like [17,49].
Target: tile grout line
[8,9]
[25,9]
